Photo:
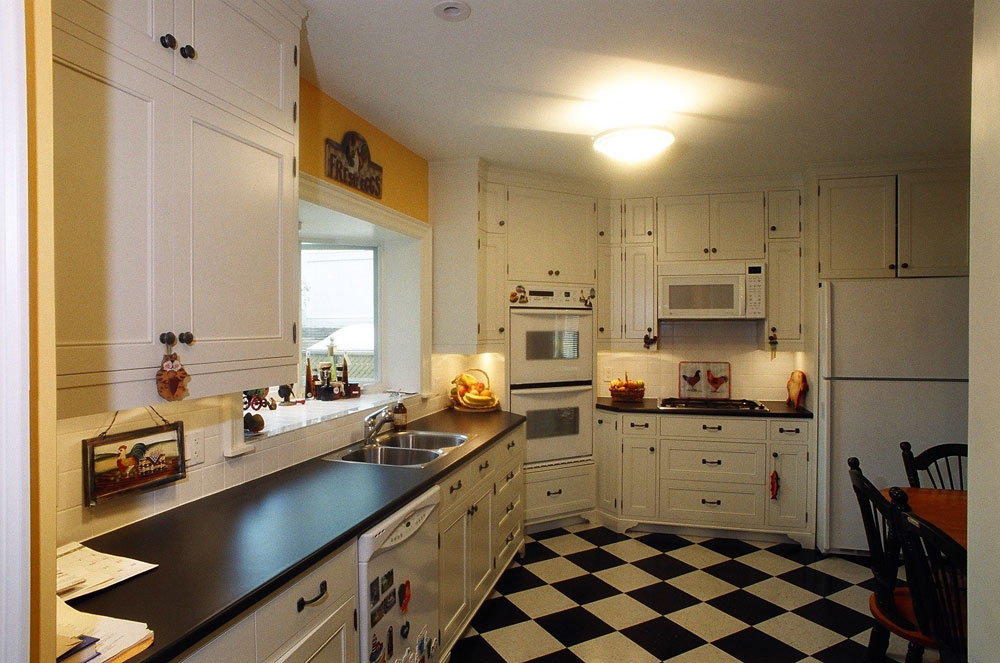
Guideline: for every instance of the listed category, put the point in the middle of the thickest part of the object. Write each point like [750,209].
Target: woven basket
[628,395]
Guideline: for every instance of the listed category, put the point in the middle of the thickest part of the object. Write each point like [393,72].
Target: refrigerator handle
[825,316]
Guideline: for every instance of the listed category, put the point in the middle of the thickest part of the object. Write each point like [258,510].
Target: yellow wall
[404,173]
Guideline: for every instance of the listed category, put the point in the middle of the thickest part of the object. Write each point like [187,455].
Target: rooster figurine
[693,379]
[716,381]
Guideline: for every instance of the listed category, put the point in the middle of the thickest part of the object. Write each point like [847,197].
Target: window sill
[287,418]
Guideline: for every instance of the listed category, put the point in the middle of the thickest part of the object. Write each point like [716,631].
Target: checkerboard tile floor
[589,594]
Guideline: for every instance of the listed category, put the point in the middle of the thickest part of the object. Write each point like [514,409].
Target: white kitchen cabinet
[495,204]
[727,226]
[244,53]
[784,214]
[608,457]
[933,224]
[609,221]
[784,290]
[140,261]
[639,477]
[608,307]
[638,220]
[789,509]
[551,236]
[454,592]
[639,291]
[857,227]
[558,491]
[469,284]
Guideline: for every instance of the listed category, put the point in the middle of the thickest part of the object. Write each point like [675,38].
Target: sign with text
[349,162]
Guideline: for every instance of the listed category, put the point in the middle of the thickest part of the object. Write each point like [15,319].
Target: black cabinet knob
[892,267]
[557,272]
[714,250]
[905,265]
[773,228]
[187,338]
[550,272]
[168,41]
[500,330]
[168,338]
[502,222]
[188,52]
[600,329]
[706,250]
[600,234]
[649,232]
[652,450]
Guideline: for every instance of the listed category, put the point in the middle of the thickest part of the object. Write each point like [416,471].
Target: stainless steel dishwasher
[398,585]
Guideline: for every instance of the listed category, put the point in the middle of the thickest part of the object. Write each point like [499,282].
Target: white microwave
[723,289]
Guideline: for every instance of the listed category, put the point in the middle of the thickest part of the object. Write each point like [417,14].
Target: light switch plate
[194,448]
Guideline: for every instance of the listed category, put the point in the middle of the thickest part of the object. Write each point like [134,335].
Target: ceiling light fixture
[453,10]
[633,144]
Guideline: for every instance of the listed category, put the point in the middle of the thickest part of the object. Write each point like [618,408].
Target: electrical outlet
[194,448]
[606,375]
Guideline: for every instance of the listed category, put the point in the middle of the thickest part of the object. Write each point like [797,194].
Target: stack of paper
[117,639]
[80,570]
[75,650]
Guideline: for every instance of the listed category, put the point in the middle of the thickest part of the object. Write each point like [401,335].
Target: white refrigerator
[894,366]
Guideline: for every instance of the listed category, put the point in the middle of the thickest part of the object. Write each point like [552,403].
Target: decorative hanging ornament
[172,379]
[775,484]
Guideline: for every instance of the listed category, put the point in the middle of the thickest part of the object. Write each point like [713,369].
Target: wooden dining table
[945,509]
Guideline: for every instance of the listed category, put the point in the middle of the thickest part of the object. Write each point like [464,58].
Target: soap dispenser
[399,413]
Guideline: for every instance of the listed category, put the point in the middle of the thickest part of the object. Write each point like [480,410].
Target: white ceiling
[750,87]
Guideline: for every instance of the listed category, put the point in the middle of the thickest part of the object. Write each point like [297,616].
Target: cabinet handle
[550,272]
[705,461]
[649,232]
[509,508]
[706,427]
[168,338]
[500,330]
[892,267]
[774,454]
[788,430]
[905,265]
[473,510]
[302,602]
[773,228]
[557,272]
[484,466]
[632,424]
[168,41]
[600,233]
[551,493]
[457,486]
[510,475]
[187,338]
[600,329]
[188,52]
[715,250]
[706,250]
[511,444]
[510,537]
[715,502]
[502,222]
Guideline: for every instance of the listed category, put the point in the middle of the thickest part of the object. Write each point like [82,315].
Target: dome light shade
[633,144]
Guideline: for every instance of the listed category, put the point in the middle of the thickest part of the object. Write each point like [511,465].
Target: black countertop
[221,554]
[775,409]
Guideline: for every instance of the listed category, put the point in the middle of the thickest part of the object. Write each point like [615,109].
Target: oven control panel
[561,296]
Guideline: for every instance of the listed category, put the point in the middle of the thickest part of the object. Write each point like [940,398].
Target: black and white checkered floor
[589,594]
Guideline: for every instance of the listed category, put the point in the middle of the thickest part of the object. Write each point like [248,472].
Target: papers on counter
[116,638]
[80,570]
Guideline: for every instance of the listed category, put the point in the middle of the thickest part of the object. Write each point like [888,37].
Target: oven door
[560,421]
[551,345]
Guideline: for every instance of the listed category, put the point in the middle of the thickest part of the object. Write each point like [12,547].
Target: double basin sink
[401,448]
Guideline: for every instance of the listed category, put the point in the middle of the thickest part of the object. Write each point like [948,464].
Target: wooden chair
[890,604]
[945,465]
[936,570]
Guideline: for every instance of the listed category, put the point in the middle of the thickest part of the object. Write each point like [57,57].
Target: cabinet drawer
[701,460]
[508,545]
[509,484]
[725,428]
[280,619]
[506,514]
[560,490]
[789,430]
[639,424]
[456,486]
[699,503]
[512,447]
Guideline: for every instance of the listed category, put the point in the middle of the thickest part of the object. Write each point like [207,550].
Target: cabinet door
[482,247]
[638,221]
[495,301]
[112,177]
[639,477]
[481,543]
[784,219]
[789,507]
[496,207]
[608,303]
[682,224]
[933,224]
[551,236]
[333,640]
[737,226]
[235,238]
[245,55]
[453,589]
[784,289]
[857,227]
[609,221]
[640,291]
[609,461]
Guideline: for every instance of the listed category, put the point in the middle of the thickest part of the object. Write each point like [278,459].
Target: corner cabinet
[551,236]
[625,306]
[194,230]
[710,473]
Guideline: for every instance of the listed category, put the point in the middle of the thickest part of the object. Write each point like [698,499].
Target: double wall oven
[552,369]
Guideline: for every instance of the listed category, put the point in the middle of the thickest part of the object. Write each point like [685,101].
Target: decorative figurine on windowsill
[797,388]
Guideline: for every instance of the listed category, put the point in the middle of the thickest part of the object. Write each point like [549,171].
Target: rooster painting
[128,463]
[692,380]
[716,381]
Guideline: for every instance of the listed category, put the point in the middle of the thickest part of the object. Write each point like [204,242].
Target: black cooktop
[711,404]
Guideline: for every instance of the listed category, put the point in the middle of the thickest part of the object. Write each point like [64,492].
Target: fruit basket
[472,394]
[627,391]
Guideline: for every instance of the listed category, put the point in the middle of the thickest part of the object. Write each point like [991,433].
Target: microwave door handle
[741,297]
[551,390]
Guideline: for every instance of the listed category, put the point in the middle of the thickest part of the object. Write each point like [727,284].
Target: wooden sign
[349,162]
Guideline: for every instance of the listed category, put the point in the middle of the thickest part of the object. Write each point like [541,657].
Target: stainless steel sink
[417,439]
[385,455]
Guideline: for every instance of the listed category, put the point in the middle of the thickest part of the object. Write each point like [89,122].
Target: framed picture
[703,379]
[135,460]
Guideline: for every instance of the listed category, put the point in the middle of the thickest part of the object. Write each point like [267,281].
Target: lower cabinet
[722,472]
[559,492]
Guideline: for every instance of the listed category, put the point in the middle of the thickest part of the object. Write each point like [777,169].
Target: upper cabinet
[784,218]
[638,220]
[609,221]
[865,234]
[551,236]
[245,53]
[726,226]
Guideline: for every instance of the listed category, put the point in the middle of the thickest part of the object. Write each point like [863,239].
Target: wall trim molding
[321,192]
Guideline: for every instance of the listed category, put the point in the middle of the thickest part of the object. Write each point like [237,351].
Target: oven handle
[551,311]
[551,390]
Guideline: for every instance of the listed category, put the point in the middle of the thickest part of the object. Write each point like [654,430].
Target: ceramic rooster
[716,381]
[693,379]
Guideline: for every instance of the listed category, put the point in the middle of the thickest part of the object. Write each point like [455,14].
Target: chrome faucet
[375,421]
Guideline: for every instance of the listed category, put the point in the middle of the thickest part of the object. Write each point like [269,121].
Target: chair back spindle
[942,466]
